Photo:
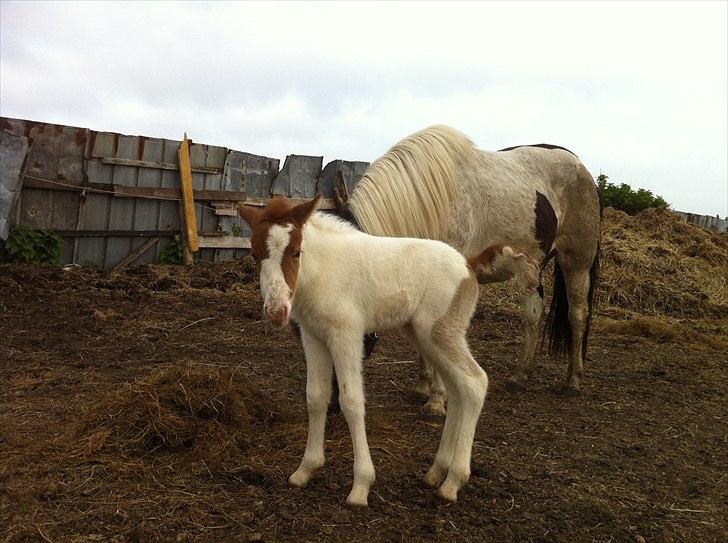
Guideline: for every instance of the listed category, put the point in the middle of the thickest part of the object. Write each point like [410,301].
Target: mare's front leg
[346,350]
[318,393]
[532,312]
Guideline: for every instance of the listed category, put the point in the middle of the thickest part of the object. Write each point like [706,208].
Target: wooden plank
[131,257]
[326,203]
[224,242]
[162,193]
[188,203]
[157,165]
[129,233]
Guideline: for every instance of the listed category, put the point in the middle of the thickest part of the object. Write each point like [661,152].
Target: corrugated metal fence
[705,221]
[107,193]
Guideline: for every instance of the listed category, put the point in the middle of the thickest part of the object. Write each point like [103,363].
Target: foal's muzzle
[278,314]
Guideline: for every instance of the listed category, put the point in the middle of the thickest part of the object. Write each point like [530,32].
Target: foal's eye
[296,254]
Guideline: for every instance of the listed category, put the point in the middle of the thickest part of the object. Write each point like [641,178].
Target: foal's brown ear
[249,214]
[303,211]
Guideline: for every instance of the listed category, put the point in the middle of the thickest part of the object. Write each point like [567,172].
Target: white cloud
[637,89]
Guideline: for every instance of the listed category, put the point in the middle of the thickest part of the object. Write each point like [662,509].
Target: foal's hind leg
[466,383]
[532,312]
[318,393]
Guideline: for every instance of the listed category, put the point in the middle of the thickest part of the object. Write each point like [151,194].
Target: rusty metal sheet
[146,215]
[13,150]
[298,176]
[328,179]
[121,210]
[92,251]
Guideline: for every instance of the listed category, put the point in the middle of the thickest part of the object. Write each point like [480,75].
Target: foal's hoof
[433,419]
[565,390]
[357,499]
[299,479]
[447,494]
[514,386]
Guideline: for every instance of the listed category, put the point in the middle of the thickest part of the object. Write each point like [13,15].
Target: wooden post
[188,202]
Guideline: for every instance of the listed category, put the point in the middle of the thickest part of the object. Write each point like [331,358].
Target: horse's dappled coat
[539,198]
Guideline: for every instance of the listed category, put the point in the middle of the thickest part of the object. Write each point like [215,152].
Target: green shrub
[625,199]
[32,246]
[172,254]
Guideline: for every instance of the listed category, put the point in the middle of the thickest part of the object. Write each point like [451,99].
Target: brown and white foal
[339,283]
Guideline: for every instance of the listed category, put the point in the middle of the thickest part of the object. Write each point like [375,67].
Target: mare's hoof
[514,386]
[419,394]
[433,419]
[565,390]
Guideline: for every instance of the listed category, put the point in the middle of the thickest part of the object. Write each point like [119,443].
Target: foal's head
[276,246]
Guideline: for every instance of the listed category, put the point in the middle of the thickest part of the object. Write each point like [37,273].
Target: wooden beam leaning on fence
[188,224]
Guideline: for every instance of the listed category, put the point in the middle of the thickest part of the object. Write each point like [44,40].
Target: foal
[339,283]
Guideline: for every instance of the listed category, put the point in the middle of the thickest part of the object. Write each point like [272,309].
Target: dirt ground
[640,456]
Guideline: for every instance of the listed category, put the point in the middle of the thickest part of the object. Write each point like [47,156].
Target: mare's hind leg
[434,410]
[318,393]
[429,384]
[421,388]
[532,312]
[577,291]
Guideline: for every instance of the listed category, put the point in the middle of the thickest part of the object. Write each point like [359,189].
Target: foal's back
[387,280]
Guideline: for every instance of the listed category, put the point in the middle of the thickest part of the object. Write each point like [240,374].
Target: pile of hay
[655,263]
[207,411]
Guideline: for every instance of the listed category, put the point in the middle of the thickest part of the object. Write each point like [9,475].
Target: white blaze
[273,284]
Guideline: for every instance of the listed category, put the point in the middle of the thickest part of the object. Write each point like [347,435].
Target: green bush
[625,199]
[32,246]
[172,254]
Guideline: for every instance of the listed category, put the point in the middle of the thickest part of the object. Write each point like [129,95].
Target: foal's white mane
[330,223]
[420,172]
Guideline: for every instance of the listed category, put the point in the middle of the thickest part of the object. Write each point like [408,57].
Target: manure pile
[656,264]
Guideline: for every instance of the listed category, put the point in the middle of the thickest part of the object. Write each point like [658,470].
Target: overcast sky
[637,90]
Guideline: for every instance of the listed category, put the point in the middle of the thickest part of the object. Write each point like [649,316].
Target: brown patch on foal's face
[276,238]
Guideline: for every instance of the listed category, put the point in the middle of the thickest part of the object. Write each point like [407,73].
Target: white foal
[338,284]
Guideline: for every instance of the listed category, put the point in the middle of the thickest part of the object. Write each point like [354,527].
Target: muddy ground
[641,455]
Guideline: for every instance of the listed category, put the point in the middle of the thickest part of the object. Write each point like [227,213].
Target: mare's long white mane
[420,174]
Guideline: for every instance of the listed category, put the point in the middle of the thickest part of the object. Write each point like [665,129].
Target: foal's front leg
[346,350]
[318,393]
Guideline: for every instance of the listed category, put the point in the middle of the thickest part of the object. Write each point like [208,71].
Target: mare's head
[277,232]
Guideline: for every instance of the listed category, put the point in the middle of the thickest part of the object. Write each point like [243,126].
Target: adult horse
[436,184]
